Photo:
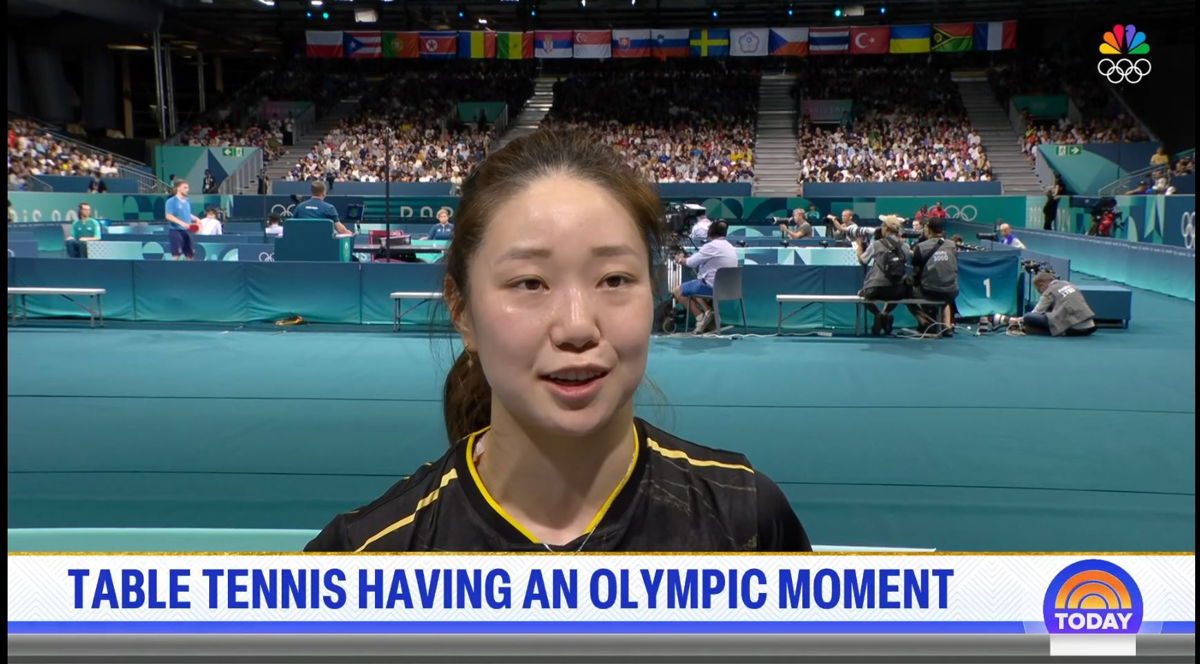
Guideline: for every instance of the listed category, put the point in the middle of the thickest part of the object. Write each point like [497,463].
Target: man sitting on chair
[714,255]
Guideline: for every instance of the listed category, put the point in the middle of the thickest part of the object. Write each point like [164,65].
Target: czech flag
[791,42]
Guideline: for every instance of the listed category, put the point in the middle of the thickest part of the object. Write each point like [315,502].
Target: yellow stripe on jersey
[677,454]
[422,504]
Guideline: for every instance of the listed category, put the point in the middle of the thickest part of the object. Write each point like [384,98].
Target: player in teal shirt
[83,229]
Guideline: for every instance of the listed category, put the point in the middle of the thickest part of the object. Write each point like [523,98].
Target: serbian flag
[401,45]
[828,41]
[439,44]
[868,41]
[789,42]
[476,44]
[631,43]
[514,46]
[593,44]
[363,44]
[671,43]
[553,44]
[323,44]
[996,36]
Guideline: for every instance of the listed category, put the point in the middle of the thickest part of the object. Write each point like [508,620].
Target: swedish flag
[709,43]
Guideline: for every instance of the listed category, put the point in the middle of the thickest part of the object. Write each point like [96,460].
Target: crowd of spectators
[412,117]
[907,124]
[267,135]
[672,122]
[34,150]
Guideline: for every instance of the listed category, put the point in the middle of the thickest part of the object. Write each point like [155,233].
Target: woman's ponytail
[466,398]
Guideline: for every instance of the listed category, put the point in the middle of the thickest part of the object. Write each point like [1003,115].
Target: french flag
[631,43]
[593,43]
[825,41]
[553,44]
[996,36]
[439,44]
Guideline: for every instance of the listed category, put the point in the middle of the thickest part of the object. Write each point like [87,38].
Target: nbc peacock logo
[1124,40]
[1093,597]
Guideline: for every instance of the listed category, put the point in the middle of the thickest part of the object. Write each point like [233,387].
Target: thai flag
[631,43]
[439,44]
[363,44]
[553,44]
[828,40]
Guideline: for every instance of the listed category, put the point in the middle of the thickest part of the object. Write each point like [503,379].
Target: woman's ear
[460,317]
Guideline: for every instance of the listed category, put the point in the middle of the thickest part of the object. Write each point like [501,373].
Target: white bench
[856,300]
[95,307]
[398,296]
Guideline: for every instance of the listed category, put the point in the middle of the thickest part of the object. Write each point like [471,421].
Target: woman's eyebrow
[604,251]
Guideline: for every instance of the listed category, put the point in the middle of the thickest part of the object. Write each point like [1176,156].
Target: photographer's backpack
[892,263]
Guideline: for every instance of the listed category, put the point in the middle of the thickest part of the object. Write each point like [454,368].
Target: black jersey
[678,496]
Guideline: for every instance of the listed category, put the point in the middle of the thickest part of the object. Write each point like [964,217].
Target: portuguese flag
[953,37]
[514,46]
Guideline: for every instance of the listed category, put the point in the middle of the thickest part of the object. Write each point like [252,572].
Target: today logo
[1092,597]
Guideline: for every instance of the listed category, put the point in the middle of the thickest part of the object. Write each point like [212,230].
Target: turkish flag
[870,40]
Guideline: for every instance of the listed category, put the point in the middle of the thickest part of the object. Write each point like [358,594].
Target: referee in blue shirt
[180,219]
[444,230]
[317,208]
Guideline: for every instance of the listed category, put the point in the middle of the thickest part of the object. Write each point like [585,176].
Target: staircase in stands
[534,111]
[278,169]
[1000,141]
[775,165]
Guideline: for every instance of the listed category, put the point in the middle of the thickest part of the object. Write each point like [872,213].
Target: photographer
[803,227]
[935,276]
[837,228]
[885,280]
[714,255]
[1061,311]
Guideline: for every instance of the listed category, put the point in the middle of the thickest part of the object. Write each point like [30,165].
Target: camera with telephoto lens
[863,233]
[1033,267]
[994,237]
[680,217]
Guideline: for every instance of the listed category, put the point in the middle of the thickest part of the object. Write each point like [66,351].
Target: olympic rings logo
[1123,70]
[1187,227]
[965,213]
[266,257]
[283,210]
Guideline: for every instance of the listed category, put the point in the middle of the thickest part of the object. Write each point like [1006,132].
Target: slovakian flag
[868,41]
[439,44]
[910,38]
[551,44]
[363,44]
[323,44]
[953,37]
[670,43]
[996,36]
[789,42]
[401,44]
[631,43]
[593,44]
[748,42]
[476,44]
[828,41]
[514,46]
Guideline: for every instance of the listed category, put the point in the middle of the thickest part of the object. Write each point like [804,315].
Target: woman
[546,454]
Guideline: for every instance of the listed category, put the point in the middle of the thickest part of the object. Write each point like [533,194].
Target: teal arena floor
[988,443]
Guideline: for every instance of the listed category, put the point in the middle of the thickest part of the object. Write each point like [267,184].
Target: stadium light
[715,13]
[316,3]
[583,3]
[882,9]
[791,12]
[325,15]
[837,13]
[269,3]
[309,14]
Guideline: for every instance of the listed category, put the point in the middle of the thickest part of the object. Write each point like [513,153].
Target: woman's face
[560,313]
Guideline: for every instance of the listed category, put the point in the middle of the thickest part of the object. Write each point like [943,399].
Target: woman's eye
[529,284]
[616,280]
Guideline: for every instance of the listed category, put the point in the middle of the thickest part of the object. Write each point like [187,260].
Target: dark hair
[936,226]
[503,174]
[1043,279]
[956,239]
[274,219]
[318,188]
[718,229]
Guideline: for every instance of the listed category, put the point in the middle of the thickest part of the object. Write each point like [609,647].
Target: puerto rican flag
[363,44]
[827,41]
[996,36]
[553,44]
[323,44]
[593,44]
[631,43]
[439,44]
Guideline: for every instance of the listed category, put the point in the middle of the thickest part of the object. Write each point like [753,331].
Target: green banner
[1042,106]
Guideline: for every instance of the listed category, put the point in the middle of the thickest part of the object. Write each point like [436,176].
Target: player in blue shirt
[444,230]
[180,220]
[317,208]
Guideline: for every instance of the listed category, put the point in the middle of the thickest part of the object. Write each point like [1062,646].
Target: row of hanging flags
[672,43]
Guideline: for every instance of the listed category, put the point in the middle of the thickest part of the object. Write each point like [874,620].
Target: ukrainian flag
[910,38]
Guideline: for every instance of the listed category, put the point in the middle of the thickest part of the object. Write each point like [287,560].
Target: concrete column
[126,96]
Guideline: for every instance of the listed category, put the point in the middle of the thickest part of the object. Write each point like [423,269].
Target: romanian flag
[401,45]
[476,44]
[953,37]
[910,39]
[514,46]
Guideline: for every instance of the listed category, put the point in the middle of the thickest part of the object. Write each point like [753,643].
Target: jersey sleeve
[779,529]
[332,537]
